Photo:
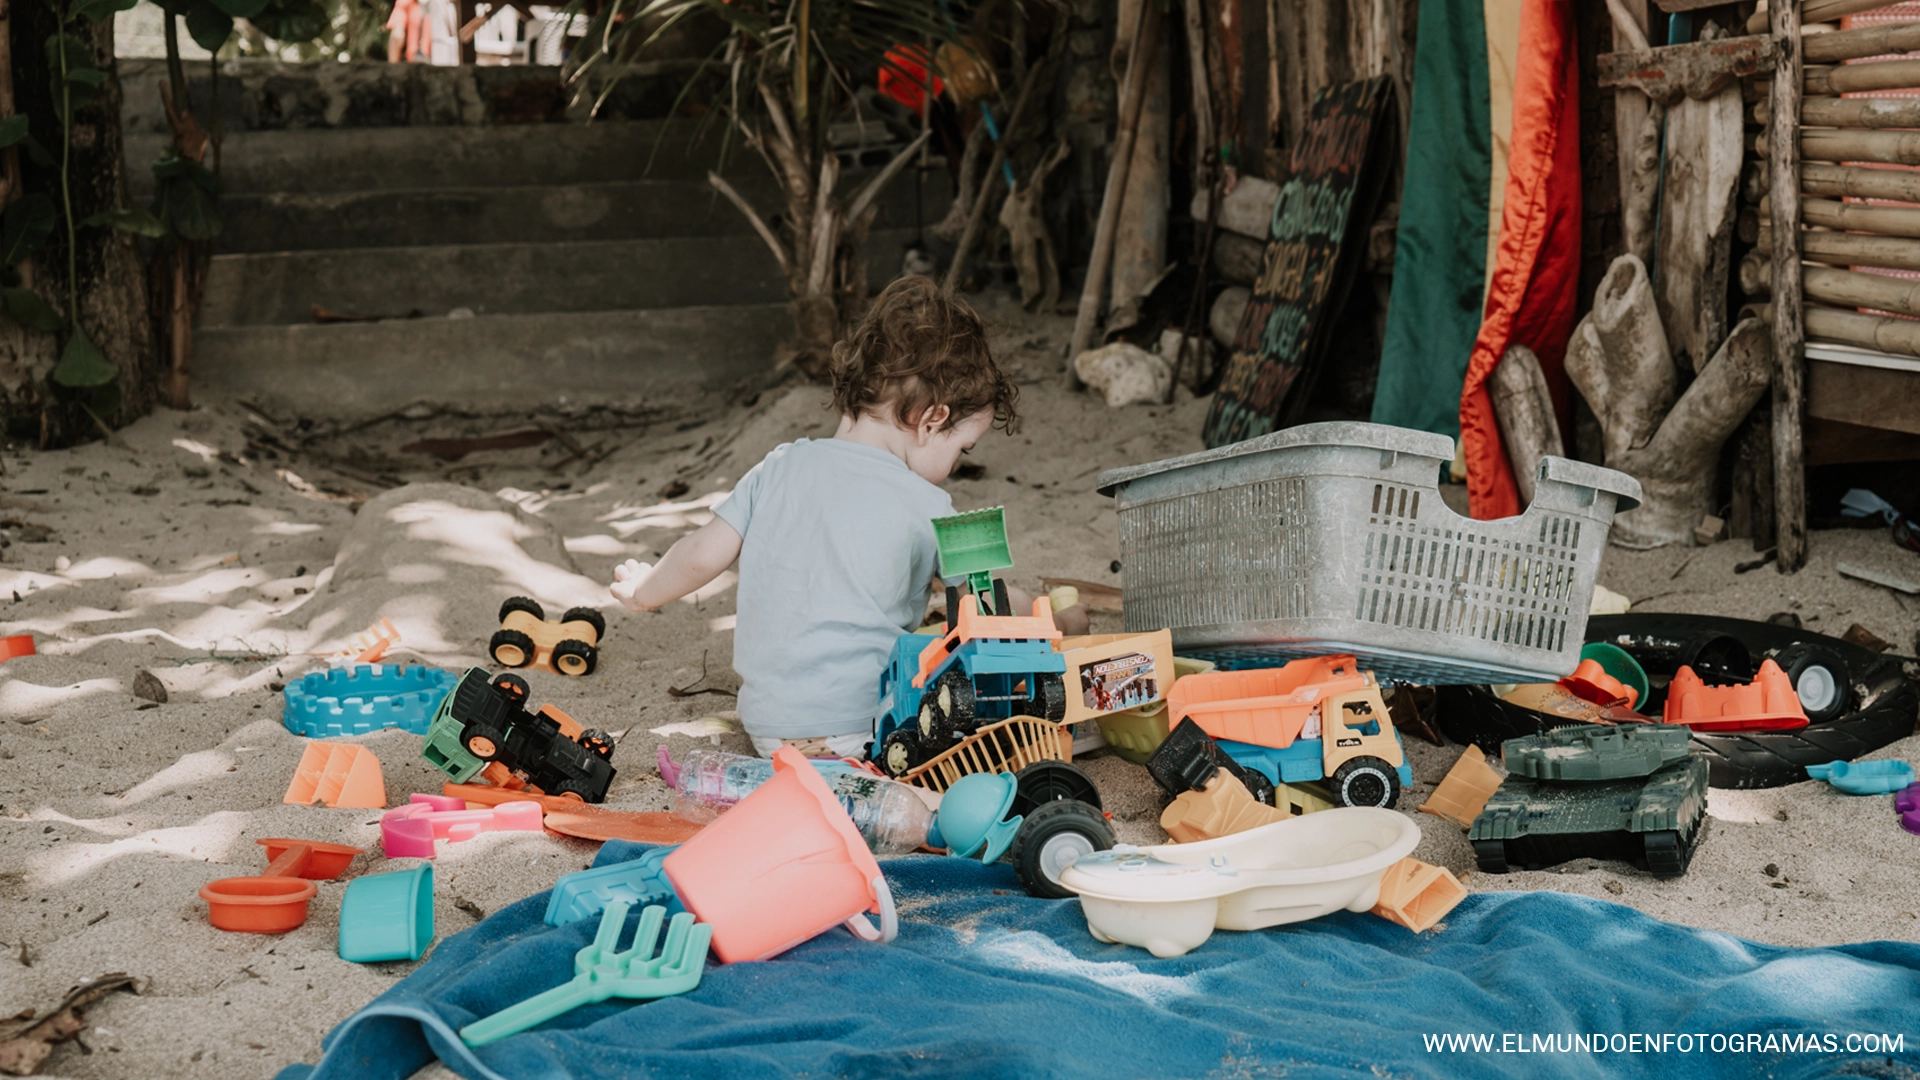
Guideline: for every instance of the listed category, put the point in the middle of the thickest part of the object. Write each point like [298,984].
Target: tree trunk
[111,281]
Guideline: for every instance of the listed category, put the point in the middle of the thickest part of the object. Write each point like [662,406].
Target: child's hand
[627,578]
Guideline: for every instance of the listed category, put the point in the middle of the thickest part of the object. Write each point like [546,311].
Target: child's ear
[932,418]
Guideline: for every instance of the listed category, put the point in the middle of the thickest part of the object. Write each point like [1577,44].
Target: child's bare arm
[693,561]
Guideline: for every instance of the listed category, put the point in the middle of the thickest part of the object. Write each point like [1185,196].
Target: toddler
[834,536]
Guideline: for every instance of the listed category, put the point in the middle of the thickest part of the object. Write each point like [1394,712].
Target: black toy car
[547,748]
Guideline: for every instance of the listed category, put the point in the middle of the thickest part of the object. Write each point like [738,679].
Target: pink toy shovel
[408,832]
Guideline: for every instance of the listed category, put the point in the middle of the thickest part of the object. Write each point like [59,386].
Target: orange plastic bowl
[17,645]
[258,905]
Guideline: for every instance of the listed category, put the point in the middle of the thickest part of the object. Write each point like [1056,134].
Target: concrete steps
[508,264]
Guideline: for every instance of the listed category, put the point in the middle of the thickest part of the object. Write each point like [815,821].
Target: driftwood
[979,212]
[1523,407]
[1812,11]
[1852,112]
[1857,217]
[1034,259]
[1246,210]
[1201,111]
[950,227]
[1837,181]
[1637,123]
[1696,70]
[1867,331]
[1788,331]
[1853,78]
[1618,361]
[1842,288]
[1848,249]
[1891,147]
[1855,44]
[1140,235]
[1697,222]
[1101,261]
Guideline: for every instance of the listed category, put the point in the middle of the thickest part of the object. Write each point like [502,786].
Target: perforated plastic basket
[1332,538]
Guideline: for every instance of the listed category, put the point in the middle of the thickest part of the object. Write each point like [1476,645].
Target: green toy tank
[1635,793]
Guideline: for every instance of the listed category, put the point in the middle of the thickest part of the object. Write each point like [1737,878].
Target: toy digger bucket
[973,544]
[784,865]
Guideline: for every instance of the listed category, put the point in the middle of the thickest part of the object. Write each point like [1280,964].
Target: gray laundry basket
[1332,538]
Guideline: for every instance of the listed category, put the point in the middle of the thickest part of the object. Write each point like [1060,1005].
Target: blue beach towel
[985,982]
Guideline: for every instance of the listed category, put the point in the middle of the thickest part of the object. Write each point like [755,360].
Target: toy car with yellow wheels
[570,646]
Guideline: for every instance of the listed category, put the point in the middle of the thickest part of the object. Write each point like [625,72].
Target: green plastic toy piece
[974,544]
[1597,751]
[443,748]
[601,973]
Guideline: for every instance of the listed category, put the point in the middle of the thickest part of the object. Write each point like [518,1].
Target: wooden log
[1753,182]
[1697,221]
[1829,144]
[978,214]
[1853,112]
[1101,261]
[1697,70]
[1859,217]
[1788,331]
[1637,121]
[1202,99]
[1814,11]
[1855,44]
[1237,258]
[1847,249]
[1853,78]
[1750,514]
[1867,331]
[1523,408]
[1247,209]
[1747,225]
[1755,274]
[1841,181]
[1140,236]
[1844,288]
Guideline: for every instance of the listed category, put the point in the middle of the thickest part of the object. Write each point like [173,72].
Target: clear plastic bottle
[890,817]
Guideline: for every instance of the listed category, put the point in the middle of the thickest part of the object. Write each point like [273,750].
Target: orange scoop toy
[577,818]
[275,901]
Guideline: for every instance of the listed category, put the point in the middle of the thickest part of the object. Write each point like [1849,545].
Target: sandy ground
[200,552]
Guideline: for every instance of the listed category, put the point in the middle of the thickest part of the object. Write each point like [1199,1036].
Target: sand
[204,551]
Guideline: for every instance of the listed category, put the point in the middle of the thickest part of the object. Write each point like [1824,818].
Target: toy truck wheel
[597,741]
[589,616]
[1052,697]
[899,752]
[574,789]
[953,608]
[483,741]
[1051,838]
[513,688]
[522,603]
[1045,782]
[511,648]
[575,657]
[1819,677]
[953,699]
[1491,855]
[1001,605]
[1366,781]
[1258,786]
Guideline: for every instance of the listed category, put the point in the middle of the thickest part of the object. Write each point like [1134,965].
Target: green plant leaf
[27,224]
[38,153]
[89,77]
[128,220]
[241,9]
[25,307]
[290,21]
[98,10]
[104,400]
[82,77]
[82,364]
[186,205]
[209,26]
[13,129]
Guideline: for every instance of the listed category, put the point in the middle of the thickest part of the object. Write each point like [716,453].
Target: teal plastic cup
[388,916]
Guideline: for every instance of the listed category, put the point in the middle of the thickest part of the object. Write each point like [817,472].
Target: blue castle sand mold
[365,698]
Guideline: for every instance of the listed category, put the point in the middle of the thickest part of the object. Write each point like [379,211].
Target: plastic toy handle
[529,1013]
[863,929]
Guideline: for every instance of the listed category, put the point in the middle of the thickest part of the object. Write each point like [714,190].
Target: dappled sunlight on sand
[191,770]
[211,839]
[19,697]
[204,589]
[99,569]
[667,515]
[286,528]
[491,539]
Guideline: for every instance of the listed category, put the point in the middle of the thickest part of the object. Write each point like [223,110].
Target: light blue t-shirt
[837,548]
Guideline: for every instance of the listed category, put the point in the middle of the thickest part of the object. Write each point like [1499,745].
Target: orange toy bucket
[786,864]
[275,901]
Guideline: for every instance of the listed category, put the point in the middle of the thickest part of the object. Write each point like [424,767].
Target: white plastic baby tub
[1168,899]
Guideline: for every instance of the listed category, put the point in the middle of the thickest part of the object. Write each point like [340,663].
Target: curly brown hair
[920,347]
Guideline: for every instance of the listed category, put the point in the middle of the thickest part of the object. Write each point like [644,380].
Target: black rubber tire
[522,603]
[953,701]
[1052,697]
[1047,836]
[953,608]
[1046,782]
[513,688]
[900,752]
[1001,605]
[490,733]
[1719,659]
[591,617]
[1366,781]
[1491,855]
[1819,677]
[598,742]
[567,652]
[510,639]
[1256,782]
[579,788]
